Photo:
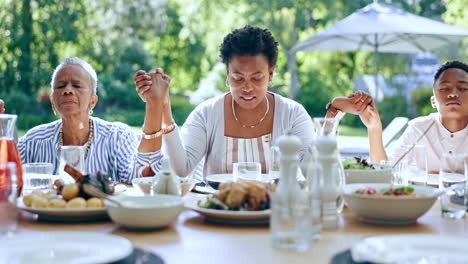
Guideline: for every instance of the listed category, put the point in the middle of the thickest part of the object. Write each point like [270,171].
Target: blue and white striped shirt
[113,149]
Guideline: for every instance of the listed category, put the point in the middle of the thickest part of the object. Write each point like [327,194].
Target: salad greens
[357,163]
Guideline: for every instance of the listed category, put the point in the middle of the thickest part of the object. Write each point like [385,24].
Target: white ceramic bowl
[144,184]
[389,210]
[378,175]
[214,180]
[145,211]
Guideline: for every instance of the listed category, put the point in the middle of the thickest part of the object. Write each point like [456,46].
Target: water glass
[247,171]
[37,176]
[415,169]
[453,175]
[274,166]
[397,176]
[73,156]
[8,194]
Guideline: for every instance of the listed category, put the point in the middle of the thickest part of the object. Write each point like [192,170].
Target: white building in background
[423,67]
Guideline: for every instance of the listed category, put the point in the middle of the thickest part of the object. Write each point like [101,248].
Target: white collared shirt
[438,140]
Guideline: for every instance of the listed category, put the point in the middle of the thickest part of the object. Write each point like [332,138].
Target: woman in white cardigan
[240,125]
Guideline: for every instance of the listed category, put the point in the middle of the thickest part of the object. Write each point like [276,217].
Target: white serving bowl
[144,184]
[377,175]
[214,180]
[389,210]
[144,212]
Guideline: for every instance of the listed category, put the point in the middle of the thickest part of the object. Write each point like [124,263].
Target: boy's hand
[371,118]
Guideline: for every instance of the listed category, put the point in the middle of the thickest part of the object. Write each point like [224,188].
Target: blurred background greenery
[119,37]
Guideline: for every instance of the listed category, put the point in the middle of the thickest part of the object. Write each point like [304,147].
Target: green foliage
[120,37]
[391,107]
[181,108]
[421,101]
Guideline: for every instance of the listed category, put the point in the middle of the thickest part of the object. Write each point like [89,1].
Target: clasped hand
[152,86]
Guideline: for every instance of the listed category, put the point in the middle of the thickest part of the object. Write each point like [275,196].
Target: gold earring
[227,81]
[90,112]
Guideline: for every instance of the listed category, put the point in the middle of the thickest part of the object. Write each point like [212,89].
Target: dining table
[192,239]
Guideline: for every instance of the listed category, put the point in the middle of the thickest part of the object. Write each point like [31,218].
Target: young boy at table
[445,131]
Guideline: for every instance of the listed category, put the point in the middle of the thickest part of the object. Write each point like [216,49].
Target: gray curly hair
[80,62]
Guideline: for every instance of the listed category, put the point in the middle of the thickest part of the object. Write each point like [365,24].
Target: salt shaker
[168,182]
[290,210]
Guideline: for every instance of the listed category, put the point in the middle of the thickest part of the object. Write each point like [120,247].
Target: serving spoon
[93,191]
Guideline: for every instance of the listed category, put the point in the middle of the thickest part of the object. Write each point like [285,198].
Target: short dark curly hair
[449,65]
[252,41]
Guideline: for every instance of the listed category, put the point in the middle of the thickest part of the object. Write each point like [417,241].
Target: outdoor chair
[391,132]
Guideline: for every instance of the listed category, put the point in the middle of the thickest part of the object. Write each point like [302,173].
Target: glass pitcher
[328,158]
[8,150]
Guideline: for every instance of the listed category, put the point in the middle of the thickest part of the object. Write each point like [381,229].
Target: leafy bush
[421,101]
[30,111]
[181,108]
[391,107]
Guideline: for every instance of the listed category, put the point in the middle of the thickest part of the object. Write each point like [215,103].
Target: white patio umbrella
[383,28]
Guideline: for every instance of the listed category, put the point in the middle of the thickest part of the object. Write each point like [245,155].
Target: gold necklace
[261,119]
[90,137]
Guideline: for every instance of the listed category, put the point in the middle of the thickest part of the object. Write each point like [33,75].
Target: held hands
[152,86]
[355,103]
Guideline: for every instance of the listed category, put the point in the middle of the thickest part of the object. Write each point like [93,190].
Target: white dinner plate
[63,247]
[70,214]
[412,248]
[226,216]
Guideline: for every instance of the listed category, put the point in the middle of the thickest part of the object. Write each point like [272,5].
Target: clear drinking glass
[8,197]
[37,176]
[397,171]
[274,166]
[415,169]
[453,202]
[73,156]
[247,171]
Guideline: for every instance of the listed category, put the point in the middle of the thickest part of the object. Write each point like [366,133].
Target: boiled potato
[51,194]
[70,191]
[78,202]
[39,202]
[94,203]
[57,203]
[39,193]
[27,200]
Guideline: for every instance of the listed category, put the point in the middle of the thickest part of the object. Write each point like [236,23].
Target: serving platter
[66,214]
[227,216]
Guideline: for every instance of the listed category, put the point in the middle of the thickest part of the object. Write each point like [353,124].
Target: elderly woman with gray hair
[109,146]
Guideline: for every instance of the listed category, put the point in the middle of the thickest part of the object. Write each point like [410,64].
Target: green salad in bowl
[357,163]
[359,170]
